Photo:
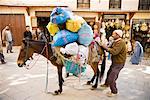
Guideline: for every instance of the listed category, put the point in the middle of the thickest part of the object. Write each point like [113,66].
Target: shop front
[141,28]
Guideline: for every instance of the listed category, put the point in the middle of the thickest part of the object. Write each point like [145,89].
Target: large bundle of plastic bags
[63,21]
[71,33]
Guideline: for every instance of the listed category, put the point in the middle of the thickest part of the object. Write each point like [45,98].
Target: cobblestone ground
[22,84]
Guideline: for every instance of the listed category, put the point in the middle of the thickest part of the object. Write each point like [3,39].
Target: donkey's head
[26,51]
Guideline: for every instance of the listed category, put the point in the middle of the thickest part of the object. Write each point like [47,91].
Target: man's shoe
[109,94]
[103,87]
[11,52]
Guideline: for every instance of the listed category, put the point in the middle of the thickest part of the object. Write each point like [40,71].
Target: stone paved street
[22,84]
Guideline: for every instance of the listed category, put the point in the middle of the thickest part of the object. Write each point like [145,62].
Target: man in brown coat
[118,52]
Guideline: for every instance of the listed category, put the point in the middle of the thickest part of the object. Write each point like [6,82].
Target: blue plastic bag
[59,15]
[64,37]
[85,35]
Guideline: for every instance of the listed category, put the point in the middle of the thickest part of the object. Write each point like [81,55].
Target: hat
[119,32]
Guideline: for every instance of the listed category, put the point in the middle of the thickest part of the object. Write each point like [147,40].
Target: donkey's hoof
[88,83]
[93,87]
[67,75]
[57,92]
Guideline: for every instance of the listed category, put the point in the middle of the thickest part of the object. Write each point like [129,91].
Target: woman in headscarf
[137,53]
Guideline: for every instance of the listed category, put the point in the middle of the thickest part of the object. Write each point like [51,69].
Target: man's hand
[104,46]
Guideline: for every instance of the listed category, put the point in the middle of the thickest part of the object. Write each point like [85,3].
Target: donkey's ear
[24,42]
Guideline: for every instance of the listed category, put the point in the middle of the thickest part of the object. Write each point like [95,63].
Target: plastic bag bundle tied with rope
[73,35]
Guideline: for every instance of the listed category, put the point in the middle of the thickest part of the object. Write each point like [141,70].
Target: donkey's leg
[67,74]
[95,72]
[60,80]
[95,65]
[102,68]
[97,77]
[91,81]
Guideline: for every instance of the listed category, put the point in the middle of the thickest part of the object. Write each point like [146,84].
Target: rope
[27,67]
[46,87]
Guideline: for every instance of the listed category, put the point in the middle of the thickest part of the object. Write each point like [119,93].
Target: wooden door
[17,26]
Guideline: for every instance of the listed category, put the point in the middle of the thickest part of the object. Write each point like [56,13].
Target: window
[144,4]
[114,4]
[83,4]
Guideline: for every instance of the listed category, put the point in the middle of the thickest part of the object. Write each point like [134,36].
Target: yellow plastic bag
[75,23]
[52,28]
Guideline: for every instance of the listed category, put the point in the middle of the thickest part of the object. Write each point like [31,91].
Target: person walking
[118,52]
[137,53]
[8,38]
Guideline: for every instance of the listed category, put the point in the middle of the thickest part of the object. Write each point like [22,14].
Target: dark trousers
[9,45]
[112,76]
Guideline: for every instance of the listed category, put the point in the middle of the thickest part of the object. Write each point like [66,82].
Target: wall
[99,5]
[129,5]
[141,16]
[16,10]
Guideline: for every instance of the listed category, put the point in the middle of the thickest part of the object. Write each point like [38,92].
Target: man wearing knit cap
[118,52]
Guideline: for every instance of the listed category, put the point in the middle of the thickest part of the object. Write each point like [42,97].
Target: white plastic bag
[83,54]
[71,49]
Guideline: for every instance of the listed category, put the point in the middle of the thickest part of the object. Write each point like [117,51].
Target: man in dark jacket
[118,52]
[27,33]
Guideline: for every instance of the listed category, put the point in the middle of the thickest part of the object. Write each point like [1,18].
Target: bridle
[27,52]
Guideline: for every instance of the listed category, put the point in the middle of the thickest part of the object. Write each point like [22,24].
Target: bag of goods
[64,37]
[85,35]
[73,25]
[70,49]
[83,54]
[60,15]
[52,28]
[74,68]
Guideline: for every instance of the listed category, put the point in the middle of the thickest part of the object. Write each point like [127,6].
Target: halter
[27,51]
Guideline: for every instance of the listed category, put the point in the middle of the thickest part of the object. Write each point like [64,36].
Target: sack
[73,25]
[85,35]
[83,54]
[74,68]
[52,28]
[71,49]
[64,37]
[59,15]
